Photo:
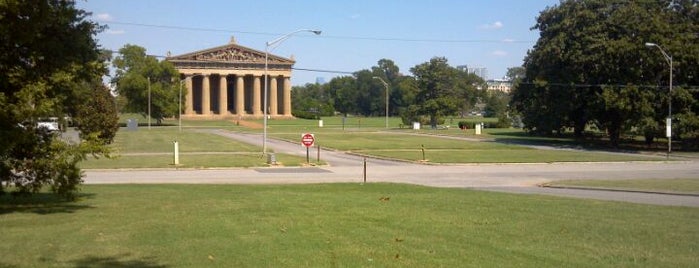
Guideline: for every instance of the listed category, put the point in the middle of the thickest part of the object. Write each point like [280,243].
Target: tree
[47,51]
[311,101]
[437,85]
[470,89]
[496,103]
[515,73]
[591,54]
[136,72]
[98,115]
[342,91]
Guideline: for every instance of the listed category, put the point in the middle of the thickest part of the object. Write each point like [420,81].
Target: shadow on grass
[122,260]
[41,203]
[522,138]
[567,141]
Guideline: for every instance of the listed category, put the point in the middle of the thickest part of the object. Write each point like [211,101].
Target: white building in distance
[500,85]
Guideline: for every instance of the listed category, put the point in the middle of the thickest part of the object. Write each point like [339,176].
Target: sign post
[308,140]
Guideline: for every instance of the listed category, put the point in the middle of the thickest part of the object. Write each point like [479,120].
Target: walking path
[514,178]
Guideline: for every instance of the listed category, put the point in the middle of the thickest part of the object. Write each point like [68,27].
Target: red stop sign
[308,139]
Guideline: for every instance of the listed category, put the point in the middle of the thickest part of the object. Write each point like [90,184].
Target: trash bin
[132,124]
[271,159]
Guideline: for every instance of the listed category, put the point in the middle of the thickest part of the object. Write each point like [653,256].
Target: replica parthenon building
[227,82]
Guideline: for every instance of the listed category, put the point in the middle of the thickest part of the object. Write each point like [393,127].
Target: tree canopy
[48,60]
[138,73]
[590,66]
[411,97]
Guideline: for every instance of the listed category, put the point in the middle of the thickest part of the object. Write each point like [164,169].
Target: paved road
[518,178]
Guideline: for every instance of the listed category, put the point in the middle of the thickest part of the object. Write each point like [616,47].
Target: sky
[355,34]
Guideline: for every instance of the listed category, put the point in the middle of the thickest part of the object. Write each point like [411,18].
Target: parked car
[50,124]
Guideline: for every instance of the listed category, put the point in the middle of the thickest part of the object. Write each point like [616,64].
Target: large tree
[138,73]
[311,101]
[590,64]
[343,93]
[438,84]
[47,54]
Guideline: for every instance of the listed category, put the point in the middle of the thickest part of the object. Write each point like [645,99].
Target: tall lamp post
[668,121]
[148,103]
[179,107]
[386,86]
[273,44]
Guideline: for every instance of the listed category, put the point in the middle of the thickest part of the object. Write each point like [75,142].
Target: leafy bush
[306,115]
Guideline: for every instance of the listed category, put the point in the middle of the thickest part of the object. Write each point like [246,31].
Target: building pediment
[230,54]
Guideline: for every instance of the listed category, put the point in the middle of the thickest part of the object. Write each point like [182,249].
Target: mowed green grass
[345,225]
[362,135]
[407,146]
[154,148]
[661,185]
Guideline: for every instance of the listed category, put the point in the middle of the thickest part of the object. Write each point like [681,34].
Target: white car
[50,124]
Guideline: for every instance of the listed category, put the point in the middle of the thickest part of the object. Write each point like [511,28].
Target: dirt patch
[248,124]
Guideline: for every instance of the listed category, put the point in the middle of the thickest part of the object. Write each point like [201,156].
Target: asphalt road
[513,178]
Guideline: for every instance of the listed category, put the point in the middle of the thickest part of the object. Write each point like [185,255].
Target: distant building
[227,82]
[482,72]
[499,85]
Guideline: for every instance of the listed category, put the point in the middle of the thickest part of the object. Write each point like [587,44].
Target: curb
[616,190]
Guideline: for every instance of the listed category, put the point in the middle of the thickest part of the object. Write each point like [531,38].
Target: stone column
[205,95]
[287,96]
[273,96]
[189,98]
[256,97]
[239,95]
[223,95]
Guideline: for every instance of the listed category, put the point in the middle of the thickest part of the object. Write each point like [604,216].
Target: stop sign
[308,139]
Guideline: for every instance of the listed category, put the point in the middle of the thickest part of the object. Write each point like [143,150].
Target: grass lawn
[363,135]
[406,146]
[214,160]
[346,225]
[154,149]
[664,185]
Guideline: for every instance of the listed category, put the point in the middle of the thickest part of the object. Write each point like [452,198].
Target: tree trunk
[614,131]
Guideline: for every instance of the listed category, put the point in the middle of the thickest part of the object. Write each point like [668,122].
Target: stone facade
[228,82]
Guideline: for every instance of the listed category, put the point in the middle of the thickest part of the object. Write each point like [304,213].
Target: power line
[688,87]
[388,39]
[321,71]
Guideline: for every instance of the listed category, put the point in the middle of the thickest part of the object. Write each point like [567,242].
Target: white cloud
[104,17]
[355,16]
[499,53]
[493,26]
[115,32]
[508,40]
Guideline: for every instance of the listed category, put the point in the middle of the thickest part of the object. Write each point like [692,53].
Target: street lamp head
[648,44]
[317,32]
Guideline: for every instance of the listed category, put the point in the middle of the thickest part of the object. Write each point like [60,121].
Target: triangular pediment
[230,53]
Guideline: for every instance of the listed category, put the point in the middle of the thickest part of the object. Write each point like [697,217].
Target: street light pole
[148,103]
[386,86]
[179,107]
[273,44]
[668,123]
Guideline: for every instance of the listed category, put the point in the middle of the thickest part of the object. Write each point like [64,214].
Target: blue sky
[356,34]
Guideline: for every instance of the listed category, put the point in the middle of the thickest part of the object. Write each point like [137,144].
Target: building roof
[230,55]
